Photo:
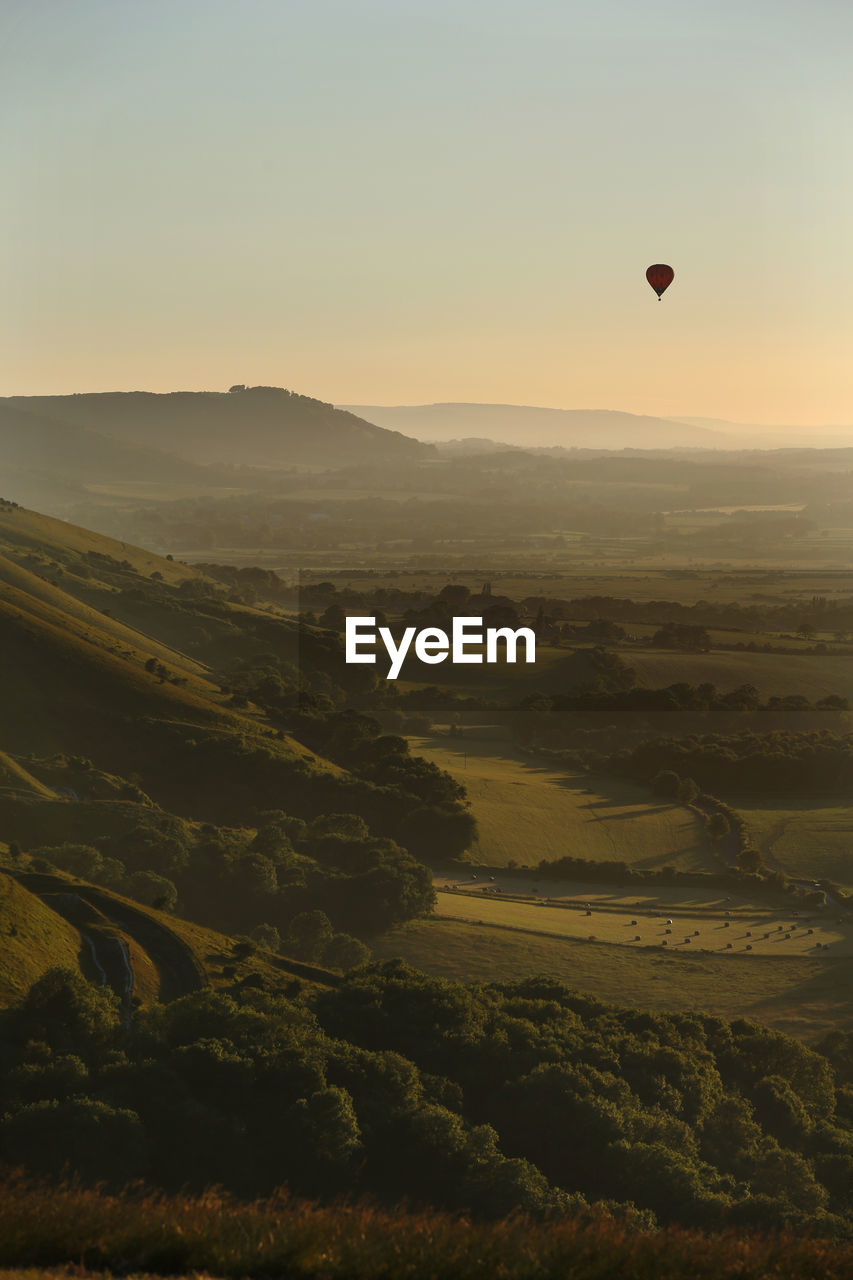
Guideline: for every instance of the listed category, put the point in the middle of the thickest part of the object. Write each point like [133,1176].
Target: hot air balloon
[660,277]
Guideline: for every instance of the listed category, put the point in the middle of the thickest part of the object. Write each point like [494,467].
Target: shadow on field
[644,811]
[825,996]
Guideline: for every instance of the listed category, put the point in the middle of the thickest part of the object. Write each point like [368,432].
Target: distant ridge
[531,425]
[252,426]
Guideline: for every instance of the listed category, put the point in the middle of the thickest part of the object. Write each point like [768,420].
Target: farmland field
[671,918]
[773,674]
[802,996]
[814,841]
[526,812]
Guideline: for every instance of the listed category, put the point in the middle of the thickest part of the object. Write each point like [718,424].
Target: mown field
[526,812]
[804,996]
[755,930]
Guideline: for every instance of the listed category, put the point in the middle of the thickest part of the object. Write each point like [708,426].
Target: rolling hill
[143,955]
[74,678]
[254,426]
[30,441]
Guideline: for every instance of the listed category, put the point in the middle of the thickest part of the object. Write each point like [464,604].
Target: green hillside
[17,782]
[75,679]
[229,784]
[34,939]
[44,539]
[55,920]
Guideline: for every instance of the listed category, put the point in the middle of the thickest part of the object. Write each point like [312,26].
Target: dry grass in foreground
[140,1233]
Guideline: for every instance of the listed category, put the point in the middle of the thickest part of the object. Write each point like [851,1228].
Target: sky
[410,201]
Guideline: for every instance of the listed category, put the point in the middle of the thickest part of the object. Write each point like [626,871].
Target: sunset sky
[407,201]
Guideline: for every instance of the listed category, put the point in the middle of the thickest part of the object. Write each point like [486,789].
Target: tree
[687,791]
[667,784]
[749,859]
[85,1136]
[309,934]
[334,618]
[833,702]
[455,596]
[345,952]
[154,890]
[68,1013]
[328,1137]
[267,936]
[718,826]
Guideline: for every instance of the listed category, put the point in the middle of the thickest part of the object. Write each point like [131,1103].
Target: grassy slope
[28,593]
[528,812]
[813,841]
[69,686]
[34,939]
[60,678]
[26,532]
[43,938]
[19,783]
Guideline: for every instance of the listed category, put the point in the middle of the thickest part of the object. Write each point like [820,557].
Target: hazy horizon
[538,426]
[412,203]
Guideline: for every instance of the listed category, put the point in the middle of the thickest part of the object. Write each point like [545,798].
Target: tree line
[395,1085]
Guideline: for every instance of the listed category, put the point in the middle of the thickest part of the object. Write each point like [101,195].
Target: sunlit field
[662,920]
[527,813]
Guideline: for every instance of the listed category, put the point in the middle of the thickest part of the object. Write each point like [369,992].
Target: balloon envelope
[660,277]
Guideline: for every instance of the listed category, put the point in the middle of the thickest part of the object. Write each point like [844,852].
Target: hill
[165,739]
[142,954]
[249,426]
[74,678]
[31,441]
[534,425]
[34,940]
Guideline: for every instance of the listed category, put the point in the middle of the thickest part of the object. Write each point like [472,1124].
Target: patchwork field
[526,812]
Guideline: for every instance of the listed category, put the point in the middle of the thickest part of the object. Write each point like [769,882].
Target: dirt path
[90,909]
[180,972]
